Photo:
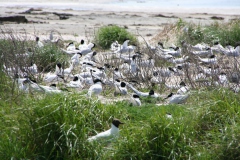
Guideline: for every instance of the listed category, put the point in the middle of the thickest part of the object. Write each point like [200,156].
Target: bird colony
[126,70]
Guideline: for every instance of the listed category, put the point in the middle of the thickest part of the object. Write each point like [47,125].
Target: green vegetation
[224,33]
[57,126]
[106,35]
[39,126]
[13,50]
[47,57]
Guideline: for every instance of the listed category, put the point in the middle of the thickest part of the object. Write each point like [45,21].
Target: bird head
[170,95]
[75,78]
[82,41]
[116,122]
[182,84]
[123,84]
[151,92]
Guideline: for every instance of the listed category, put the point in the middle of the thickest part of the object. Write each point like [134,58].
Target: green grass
[224,33]
[57,126]
[47,57]
[106,35]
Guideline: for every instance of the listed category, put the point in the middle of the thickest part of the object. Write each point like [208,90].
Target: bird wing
[100,135]
[90,45]
[125,44]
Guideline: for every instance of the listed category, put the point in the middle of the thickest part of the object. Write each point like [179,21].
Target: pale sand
[84,24]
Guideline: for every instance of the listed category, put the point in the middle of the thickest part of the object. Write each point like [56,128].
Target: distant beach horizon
[210,6]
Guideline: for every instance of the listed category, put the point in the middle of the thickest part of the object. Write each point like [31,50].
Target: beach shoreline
[83,24]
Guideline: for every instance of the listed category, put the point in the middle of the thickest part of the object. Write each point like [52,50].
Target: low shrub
[47,57]
[106,35]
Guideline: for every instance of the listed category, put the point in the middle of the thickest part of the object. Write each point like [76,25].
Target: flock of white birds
[124,68]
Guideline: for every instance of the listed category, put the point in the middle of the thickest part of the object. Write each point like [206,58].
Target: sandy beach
[81,24]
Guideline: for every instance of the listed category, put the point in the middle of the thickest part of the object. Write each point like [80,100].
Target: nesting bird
[125,48]
[135,100]
[151,93]
[177,98]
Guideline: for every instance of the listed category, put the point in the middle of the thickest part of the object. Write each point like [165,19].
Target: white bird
[89,63]
[82,45]
[96,88]
[197,47]
[50,89]
[151,93]
[86,66]
[100,72]
[133,66]
[164,50]
[87,80]
[75,83]
[175,53]
[147,63]
[110,134]
[135,100]
[68,71]
[207,52]
[117,74]
[120,88]
[39,43]
[85,74]
[75,58]
[177,98]
[164,72]
[178,60]
[87,49]
[164,56]
[59,69]
[71,47]
[217,47]
[211,60]
[90,56]
[231,51]
[70,52]
[32,69]
[183,89]
[23,84]
[41,88]
[52,77]
[125,48]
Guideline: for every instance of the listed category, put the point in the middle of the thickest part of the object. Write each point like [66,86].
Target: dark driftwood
[17,19]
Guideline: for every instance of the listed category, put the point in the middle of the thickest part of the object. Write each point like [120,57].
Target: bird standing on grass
[112,133]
